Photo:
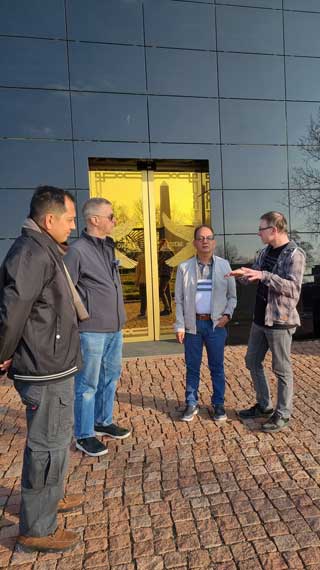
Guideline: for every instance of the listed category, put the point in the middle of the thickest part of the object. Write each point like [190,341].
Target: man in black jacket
[94,270]
[39,347]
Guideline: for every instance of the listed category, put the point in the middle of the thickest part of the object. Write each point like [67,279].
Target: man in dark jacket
[94,271]
[39,346]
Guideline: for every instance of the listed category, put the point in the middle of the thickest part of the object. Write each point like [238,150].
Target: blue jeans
[214,341]
[95,384]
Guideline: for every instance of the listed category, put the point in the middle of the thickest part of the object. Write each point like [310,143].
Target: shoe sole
[98,454]
[26,548]
[260,417]
[273,430]
[113,436]
[220,419]
[190,419]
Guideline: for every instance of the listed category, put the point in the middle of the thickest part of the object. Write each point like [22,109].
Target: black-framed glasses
[110,217]
[266,228]
[205,238]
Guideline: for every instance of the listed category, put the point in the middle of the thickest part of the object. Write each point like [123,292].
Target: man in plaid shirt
[279,272]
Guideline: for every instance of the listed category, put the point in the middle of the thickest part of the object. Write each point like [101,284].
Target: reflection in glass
[303,78]
[35,114]
[33,18]
[254,168]
[253,122]
[301,32]
[14,210]
[95,67]
[33,63]
[305,209]
[243,208]
[242,250]
[251,76]
[173,24]
[302,118]
[249,30]
[180,72]
[104,116]
[170,119]
[254,3]
[38,161]
[5,245]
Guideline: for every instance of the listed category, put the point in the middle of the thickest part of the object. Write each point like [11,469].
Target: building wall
[236,82]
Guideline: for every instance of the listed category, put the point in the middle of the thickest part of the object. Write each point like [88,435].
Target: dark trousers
[143,298]
[164,292]
[49,411]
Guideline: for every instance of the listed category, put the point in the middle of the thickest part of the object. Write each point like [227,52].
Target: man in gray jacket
[94,271]
[205,301]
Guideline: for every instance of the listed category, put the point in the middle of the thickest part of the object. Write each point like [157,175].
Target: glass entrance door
[156,212]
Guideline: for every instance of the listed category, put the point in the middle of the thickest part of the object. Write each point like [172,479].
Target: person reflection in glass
[140,281]
[165,272]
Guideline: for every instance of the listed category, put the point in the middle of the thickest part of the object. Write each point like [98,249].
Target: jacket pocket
[60,420]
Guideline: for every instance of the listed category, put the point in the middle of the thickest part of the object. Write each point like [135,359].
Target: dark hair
[277,220]
[48,199]
[200,228]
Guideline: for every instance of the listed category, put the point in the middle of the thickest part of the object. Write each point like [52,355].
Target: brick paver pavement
[184,496]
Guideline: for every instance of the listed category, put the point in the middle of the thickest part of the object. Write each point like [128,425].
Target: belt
[203,317]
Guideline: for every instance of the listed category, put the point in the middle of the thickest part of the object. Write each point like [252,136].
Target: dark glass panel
[85,150]
[305,210]
[243,208]
[183,120]
[182,72]
[252,122]
[242,250]
[33,18]
[183,25]
[302,5]
[5,245]
[95,67]
[217,211]
[251,76]
[277,4]
[254,168]
[110,117]
[302,119]
[303,78]
[117,21]
[34,114]
[249,29]
[82,197]
[304,167]
[33,63]
[14,210]
[302,33]
[193,151]
[30,163]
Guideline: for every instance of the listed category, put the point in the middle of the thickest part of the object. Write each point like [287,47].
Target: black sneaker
[165,312]
[91,446]
[112,430]
[219,413]
[255,412]
[275,423]
[189,413]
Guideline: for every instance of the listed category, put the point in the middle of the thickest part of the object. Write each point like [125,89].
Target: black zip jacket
[94,271]
[38,323]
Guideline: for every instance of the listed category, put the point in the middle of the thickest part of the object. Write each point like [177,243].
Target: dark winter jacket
[38,323]
[94,271]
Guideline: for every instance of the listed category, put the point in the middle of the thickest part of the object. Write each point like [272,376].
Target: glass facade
[235,83]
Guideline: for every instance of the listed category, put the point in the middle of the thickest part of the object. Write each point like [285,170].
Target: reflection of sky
[243,208]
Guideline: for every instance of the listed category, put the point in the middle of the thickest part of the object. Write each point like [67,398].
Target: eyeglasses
[202,238]
[110,217]
[266,228]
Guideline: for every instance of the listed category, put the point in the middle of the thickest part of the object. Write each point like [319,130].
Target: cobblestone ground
[184,496]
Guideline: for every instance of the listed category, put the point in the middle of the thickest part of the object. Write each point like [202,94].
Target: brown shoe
[70,503]
[59,541]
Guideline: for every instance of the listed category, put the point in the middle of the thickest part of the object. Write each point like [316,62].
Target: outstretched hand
[249,274]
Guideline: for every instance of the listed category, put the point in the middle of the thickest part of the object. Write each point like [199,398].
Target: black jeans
[164,292]
[49,411]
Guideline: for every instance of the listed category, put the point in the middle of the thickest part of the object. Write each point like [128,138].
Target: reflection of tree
[229,252]
[305,245]
[306,178]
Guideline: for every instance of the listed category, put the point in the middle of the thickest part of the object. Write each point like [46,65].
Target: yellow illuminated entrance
[156,212]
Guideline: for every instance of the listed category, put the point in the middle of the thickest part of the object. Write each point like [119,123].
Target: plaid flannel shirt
[284,285]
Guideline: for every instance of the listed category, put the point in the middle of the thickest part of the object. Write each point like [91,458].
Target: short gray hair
[91,206]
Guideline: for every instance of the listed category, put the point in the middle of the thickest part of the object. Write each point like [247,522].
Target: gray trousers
[49,411]
[279,342]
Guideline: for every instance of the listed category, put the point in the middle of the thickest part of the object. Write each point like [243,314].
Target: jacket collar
[96,240]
